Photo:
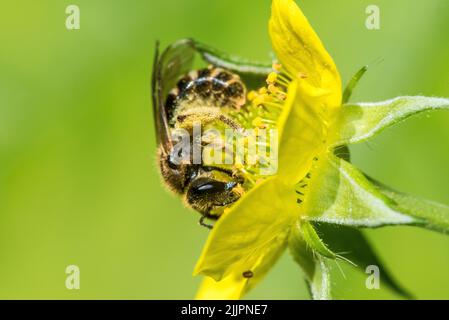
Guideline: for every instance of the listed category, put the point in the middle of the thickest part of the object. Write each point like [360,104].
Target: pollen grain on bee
[251,149]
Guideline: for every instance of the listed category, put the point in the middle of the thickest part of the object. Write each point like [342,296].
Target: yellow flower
[312,183]
[253,234]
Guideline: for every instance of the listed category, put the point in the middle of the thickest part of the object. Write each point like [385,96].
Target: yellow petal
[302,130]
[251,235]
[230,288]
[302,54]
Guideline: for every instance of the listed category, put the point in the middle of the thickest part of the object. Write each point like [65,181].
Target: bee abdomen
[211,86]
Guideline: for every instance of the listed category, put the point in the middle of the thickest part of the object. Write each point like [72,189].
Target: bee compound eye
[210,186]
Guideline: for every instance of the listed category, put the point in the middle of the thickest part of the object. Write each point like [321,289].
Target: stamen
[268,121]
[251,95]
[277,92]
[290,77]
[259,100]
[272,88]
[273,104]
[270,99]
[272,77]
[282,96]
[283,83]
[277,66]
[258,122]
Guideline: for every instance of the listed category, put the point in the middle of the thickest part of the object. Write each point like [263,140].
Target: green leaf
[352,244]
[315,266]
[435,216]
[361,121]
[339,193]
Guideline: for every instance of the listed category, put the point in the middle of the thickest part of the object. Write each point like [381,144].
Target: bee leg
[202,223]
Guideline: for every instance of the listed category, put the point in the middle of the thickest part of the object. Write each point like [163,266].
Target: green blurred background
[79,183]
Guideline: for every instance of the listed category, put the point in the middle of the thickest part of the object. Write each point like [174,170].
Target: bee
[182,97]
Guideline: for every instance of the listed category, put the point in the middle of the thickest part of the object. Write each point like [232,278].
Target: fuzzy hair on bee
[205,96]
[209,87]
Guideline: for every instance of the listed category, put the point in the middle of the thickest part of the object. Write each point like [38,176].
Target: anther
[252,95]
[258,101]
[277,66]
[272,77]
[281,96]
[273,89]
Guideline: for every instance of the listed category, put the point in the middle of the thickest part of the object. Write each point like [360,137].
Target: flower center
[260,114]
[273,95]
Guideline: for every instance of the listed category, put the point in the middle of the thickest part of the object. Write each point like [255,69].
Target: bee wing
[253,73]
[232,62]
[174,62]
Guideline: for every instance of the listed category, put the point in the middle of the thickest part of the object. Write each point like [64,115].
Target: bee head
[208,190]
[212,191]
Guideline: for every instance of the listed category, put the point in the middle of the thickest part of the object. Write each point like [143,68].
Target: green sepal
[353,83]
[310,236]
[339,193]
[314,246]
[353,245]
[343,152]
[434,216]
[316,267]
[360,121]
[321,285]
